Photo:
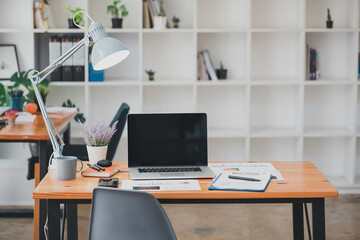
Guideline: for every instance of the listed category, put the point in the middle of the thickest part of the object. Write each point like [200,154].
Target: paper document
[241,181]
[161,185]
[28,118]
[54,109]
[217,168]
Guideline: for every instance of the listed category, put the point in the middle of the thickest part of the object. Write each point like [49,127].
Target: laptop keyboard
[184,169]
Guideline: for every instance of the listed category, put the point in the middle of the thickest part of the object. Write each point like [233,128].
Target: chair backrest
[130,215]
[121,117]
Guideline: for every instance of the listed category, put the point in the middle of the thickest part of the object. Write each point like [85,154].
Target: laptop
[168,146]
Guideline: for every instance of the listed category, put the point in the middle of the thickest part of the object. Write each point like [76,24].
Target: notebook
[168,146]
[109,171]
[228,181]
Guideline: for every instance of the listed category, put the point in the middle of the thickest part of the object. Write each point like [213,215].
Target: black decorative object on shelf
[116,22]
[221,73]
[71,23]
[329,22]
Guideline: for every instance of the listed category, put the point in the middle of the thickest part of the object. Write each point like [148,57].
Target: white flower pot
[96,153]
[159,23]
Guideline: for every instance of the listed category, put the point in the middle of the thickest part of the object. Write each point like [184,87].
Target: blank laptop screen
[167,139]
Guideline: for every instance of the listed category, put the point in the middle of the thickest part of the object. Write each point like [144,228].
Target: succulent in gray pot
[114,10]
[221,73]
[329,22]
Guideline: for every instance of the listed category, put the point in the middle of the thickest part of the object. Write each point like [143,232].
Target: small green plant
[80,116]
[221,66]
[21,79]
[161,12]
[175,19]
[114,9]
[79,17]
[4,97]
[328,15]
[150,72]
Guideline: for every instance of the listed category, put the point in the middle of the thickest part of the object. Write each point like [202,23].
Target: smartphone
[108,182]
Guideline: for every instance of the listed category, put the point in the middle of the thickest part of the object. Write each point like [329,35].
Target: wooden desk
[37,132]
[303,183]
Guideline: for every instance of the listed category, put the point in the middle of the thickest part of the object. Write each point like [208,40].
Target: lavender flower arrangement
[98,135]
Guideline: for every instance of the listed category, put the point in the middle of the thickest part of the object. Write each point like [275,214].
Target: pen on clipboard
[244,178]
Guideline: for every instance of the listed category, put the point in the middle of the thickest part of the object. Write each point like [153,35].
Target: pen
[244,178]
[101,168]
[93,167]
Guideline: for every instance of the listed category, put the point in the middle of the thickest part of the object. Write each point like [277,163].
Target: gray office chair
[130,215]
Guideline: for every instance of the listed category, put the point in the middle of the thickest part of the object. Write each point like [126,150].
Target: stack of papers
[238,181]
[54,109]
[161,185]
[218,168]
[25,118]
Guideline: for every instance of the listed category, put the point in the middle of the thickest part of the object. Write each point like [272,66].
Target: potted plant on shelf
[329,22]
[175,21]
[151,74]
[97,139]
[221,72]
[160,20]
[114,11]
[78,18]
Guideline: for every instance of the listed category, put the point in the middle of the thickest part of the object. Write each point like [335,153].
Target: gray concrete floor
[258,221]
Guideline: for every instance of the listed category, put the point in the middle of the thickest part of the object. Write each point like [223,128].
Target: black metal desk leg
[66,136]
[72,223]
[43,162]
[298,220]
[54,219]
[318,217]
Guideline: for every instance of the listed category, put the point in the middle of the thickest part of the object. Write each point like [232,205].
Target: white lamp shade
[108,52]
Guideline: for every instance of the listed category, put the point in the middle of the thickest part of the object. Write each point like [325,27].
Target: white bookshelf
[265,111]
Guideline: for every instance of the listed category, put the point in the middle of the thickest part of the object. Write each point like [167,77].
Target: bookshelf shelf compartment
[326,154]
[274,107]
[9,18]
[174,55]
[230,14]
[168,99]
[183,9]
[275,55]
[357,162]
[274,149]
[275,13]
[226,46]
[59,13]
[229,150]
[335,52]
[343,13]
[129,68]
[328,107]
[216,102]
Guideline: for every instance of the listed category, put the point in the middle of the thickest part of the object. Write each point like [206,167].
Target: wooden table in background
[37,132]
[303,183]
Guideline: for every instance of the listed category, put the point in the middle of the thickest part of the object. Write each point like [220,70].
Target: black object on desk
[109,182]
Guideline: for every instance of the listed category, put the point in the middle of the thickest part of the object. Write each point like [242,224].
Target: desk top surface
[37,129]
[301,180]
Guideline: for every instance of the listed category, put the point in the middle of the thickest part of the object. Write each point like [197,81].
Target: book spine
[54,54]
[67,70]
[79,63]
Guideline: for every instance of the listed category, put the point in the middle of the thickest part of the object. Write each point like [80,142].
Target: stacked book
[151,8]
[205,69]
[312,64]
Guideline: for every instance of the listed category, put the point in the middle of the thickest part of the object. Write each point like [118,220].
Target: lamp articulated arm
[36,78]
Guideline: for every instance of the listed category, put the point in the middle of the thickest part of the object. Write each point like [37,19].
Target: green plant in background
[4,97]
[328,15]
[21,80]
[150,72]
[80,116]
[221,66]
[175,19]
[114,9]
[79,18]
[161,12]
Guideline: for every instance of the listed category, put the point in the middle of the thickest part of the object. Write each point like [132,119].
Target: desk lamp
[106,53]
